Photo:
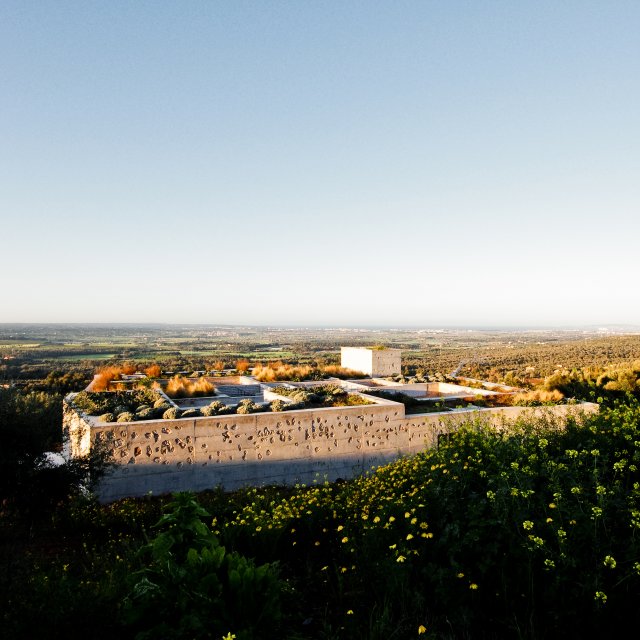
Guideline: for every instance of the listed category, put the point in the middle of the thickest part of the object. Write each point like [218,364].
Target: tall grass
[537,397]
[341,372]
[153,371]
[178,387]
[281,371]
[242,365]
[104,377]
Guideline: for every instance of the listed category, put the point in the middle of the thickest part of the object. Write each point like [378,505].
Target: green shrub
[126,416]
[278,405]
[327,395]
[161,402]
[107,417]
[145,414]
[95,403]
[191,587]
[301,397]
[247,406]
[216,408]
[191,413]
[171,414]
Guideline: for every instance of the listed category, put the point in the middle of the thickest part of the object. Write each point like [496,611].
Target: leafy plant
[191,587]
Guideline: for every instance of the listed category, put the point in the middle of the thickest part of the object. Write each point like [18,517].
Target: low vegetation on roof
[327,395]
[139,404]
[281,372]
[180,387]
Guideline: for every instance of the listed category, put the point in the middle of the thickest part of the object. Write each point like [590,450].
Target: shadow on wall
[149,478]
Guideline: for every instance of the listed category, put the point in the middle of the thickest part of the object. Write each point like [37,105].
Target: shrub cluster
[116,402]
[248,406]
[532,532]
[216,408]
[327,395]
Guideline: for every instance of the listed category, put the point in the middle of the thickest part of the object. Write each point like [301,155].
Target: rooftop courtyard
[197,432]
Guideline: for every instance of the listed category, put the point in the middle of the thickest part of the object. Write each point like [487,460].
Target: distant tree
[30,429]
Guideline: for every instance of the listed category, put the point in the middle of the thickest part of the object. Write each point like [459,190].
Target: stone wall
[76,432]
[161,456]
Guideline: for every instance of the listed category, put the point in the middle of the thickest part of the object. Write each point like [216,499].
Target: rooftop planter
[321,396]
[122,406]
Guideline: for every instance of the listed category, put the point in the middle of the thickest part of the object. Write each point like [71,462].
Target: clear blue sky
[343,163]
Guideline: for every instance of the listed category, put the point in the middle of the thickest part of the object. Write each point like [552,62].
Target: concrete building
[196,451]
[377,362]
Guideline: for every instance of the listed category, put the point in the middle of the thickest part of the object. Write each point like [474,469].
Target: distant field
[84,356]
[160,354]
[19,345]
[485,354]
[235,354]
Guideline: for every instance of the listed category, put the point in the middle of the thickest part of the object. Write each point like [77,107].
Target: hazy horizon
[337,164]
[612,327]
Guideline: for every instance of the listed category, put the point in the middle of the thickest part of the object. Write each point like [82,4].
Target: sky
[315,163]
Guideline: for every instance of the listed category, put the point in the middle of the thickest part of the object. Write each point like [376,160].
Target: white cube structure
[377,362]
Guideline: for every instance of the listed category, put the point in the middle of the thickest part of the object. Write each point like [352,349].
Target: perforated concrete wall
[161,456]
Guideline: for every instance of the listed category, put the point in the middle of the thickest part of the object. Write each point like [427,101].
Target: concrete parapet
[161,456]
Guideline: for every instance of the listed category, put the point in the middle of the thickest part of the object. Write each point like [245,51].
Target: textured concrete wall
[386,362]
[374,362]
[162,456]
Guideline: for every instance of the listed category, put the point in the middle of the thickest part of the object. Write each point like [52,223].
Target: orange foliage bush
[218,365]
[154,371]
[128,369]
[178,387]
[281,371]
[276,371]
[341,372]
[104,377]
[242,365]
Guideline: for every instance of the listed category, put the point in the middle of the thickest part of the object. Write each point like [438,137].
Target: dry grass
[218,365]
[154,371]
[341,372]
[178,387]
[281,371]
[104,377]
[538,396]
[242,366]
